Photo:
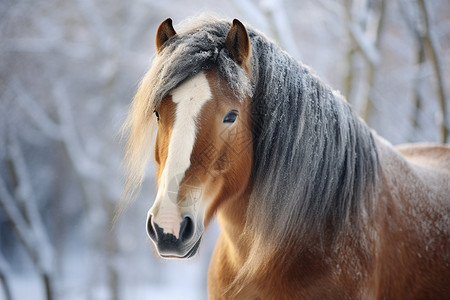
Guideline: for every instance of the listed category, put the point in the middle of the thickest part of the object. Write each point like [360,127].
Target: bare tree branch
[413,25]
[373,68]
[31,235]
[433,48]
[4,269]
[254,14]
[271,12]
[365,27]
[39,117]
[364,45]
[279,20]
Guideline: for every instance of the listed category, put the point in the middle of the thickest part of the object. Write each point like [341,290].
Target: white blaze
[190,98]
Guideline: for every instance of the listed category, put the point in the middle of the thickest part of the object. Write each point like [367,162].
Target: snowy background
[68,70]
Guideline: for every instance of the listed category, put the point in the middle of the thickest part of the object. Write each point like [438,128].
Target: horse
[312,204]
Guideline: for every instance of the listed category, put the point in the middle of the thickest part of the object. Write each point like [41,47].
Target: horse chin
[191,253]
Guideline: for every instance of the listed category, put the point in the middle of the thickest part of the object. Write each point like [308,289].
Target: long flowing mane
[315,164]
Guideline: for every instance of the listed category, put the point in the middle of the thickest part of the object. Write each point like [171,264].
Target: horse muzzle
[174,240]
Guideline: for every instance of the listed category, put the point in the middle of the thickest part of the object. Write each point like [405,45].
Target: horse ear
[165,32]
[238,42]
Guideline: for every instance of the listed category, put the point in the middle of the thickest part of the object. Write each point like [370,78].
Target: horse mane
[315,163]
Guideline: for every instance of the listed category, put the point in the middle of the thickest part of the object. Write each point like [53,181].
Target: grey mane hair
[198,45]
[315,163]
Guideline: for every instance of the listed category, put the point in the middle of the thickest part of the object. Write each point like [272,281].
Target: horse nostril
[186,229]
[150,229]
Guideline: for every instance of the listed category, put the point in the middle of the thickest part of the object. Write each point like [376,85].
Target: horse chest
[308,278]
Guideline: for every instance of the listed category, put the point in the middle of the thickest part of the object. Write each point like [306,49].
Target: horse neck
[232,215]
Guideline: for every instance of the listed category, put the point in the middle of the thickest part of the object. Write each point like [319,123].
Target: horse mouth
[189,254]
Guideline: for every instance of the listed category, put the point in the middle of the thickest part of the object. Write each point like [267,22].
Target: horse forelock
[199,45]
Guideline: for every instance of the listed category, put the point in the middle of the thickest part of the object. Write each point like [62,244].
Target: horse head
[203,149]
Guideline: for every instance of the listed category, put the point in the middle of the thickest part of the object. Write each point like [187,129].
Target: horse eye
[156,114]
[230,117]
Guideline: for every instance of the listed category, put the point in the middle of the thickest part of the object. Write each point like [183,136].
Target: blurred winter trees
[68,70]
